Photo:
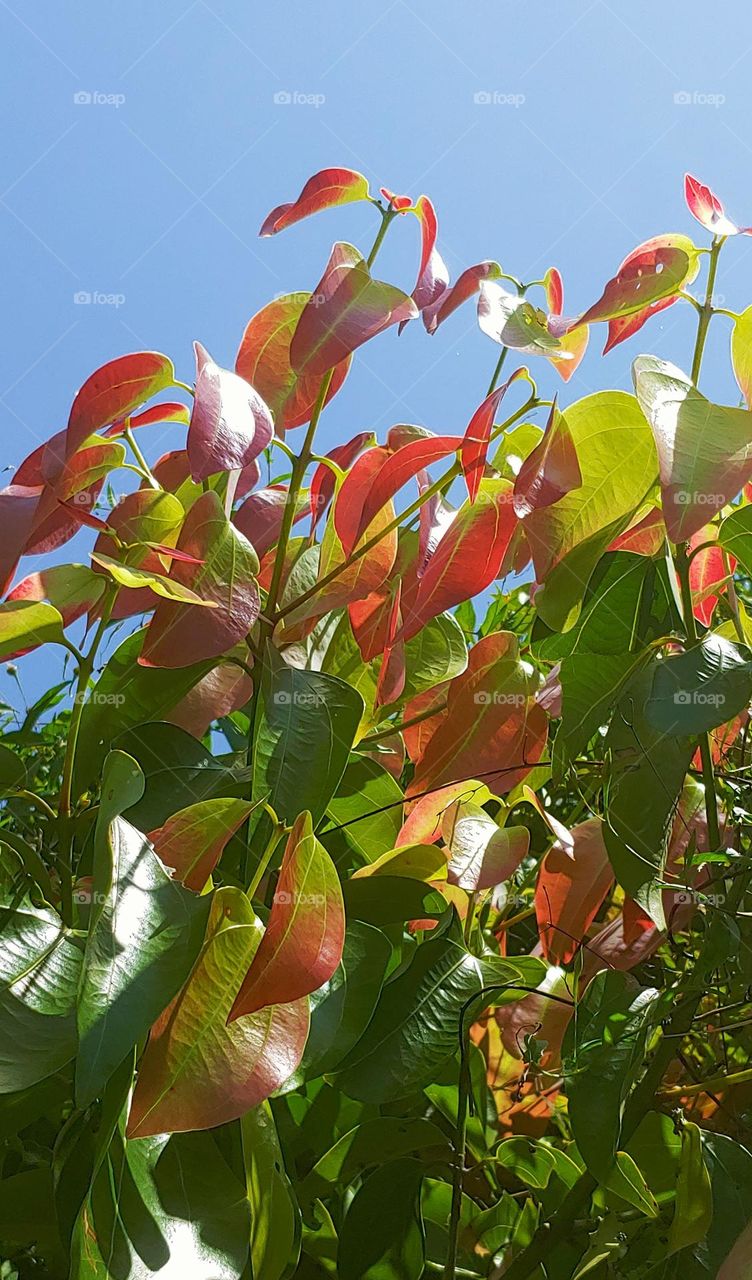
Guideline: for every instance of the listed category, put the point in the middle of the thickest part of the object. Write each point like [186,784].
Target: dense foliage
[371,912]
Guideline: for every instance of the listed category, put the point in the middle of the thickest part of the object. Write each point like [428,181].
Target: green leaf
[306,726]
[370,1144]
[385,900]
[12,771]
[382,1235]
[191,842]
[145,935]
[645,777]
[198,1072]
[415,1027]
[735,535]
[730,1166]
[162,1206]
[178,770]
[606,1044]
[275,1217]
[33,1045]
[693,1212]
[696,691]
[366,812]
[132,577]
[590,685]
[39,962]
[25,624]
[626,1181]
[741,353]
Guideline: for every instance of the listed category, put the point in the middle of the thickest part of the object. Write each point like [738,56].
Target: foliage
[371,912]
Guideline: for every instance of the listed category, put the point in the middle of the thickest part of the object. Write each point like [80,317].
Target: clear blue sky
[155,194]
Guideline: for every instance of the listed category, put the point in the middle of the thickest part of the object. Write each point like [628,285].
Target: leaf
[198,1072]
[433,276]
[647,255]
[263,359]
[192,841]
[114,391]
[39,963]
[730,1167]
[482,853]
[591,684]
[385,900]
[33,1045]
[655,271]
[162,586]
[575,341]
[607,1040]
[705,206]
[693,1211]
[550,471]
[158,1200]
[325,190]
[416,1024]
[514,322]
[230,423]
[12,771]
[472,454]
[323,480]
[382,1235]
[167,411]
[347,308]
[366,811]
[418,861]
[307,723]
[704,450]
[700,689]
[376,477]
[178,770]
[25,624]
[741,353]
[260,517]
[178,635]
[72,589]
[275,1217]
[305,933]
[572,886]
[467,284]
[370,1144]
[493,729]
[735,536]
[143,940]
[646,775]
[468,557]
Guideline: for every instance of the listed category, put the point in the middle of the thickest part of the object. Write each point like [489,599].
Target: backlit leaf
[325,190]
[230,424]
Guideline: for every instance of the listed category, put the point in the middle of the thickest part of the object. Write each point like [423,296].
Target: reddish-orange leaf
[303,941]
[474,447]
[400,204]
[114,391]
[391,681]
[449,299]
[705,206]
[323,481]
[377,476]
[433,275]
[572,886]
[263,359]
[168,411]
[644,538]
[573,343]
[550,471]
[192,841]
[225,689]
[654,271]
[327,188]
[73,589]
[707,570]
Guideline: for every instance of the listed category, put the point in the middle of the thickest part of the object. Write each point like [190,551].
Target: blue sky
[151,193]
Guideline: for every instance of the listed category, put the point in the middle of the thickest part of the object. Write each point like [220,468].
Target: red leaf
[261,515]
[433,275]
[230,423]
[571,889]
[575,342]
[173,469]
[623,327]
[493,730]
[645,255]
[467,558]
[169,411]
[705,206]
[451,298]
[418,736]
[18,507]
[424,822]
[400,204]
[72,589]
[474,447]
[302,945]
[323,481]
[263,359]
[651,272]
[192,841]
[348,307]
[391,681]
[177,636]
[114,391]
[327,188]
[707,569]
[550,471]
[377,476]
[225,689]
[644,538]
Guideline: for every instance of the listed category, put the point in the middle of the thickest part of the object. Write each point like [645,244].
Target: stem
[265,859]
[706,1086]
[497,370]
[387,216]
[690,626]
[706,310]
[405,724]
[184,387]
[460,1148]
[140,459]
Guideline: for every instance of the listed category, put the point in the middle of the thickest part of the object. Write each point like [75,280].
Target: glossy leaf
[573,342]
[550,471]
[230,424]
[305,933]
[482,854]
[472,454]
[192,840]
[705,206]
[433,276]
[178,770]
[376,477]
[382,1233]
[701,689]
[25,624]
[325,190]
[571,888]
[114,391]
[655,271]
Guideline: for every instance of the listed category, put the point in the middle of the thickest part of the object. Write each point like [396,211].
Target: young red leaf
[654,271]
[180,634]
[645,538]
[705,206]
[575,342]
[192,841]
[570,891]
[114,391]
[348,307]
[377,476]
[225,689]
[550,471]
[261,515]
[263,359]
[391,681]
[474,446]
[18,507]
[324,481]
[400,204]
[303,941]
[230,423]
[708,572]
[433,274]
[325,190]
[434,518]
[645,255]
[72,589]
[493,729]
[168,411]
[467,558]
[449,299]
[418,736]
[197,1072]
